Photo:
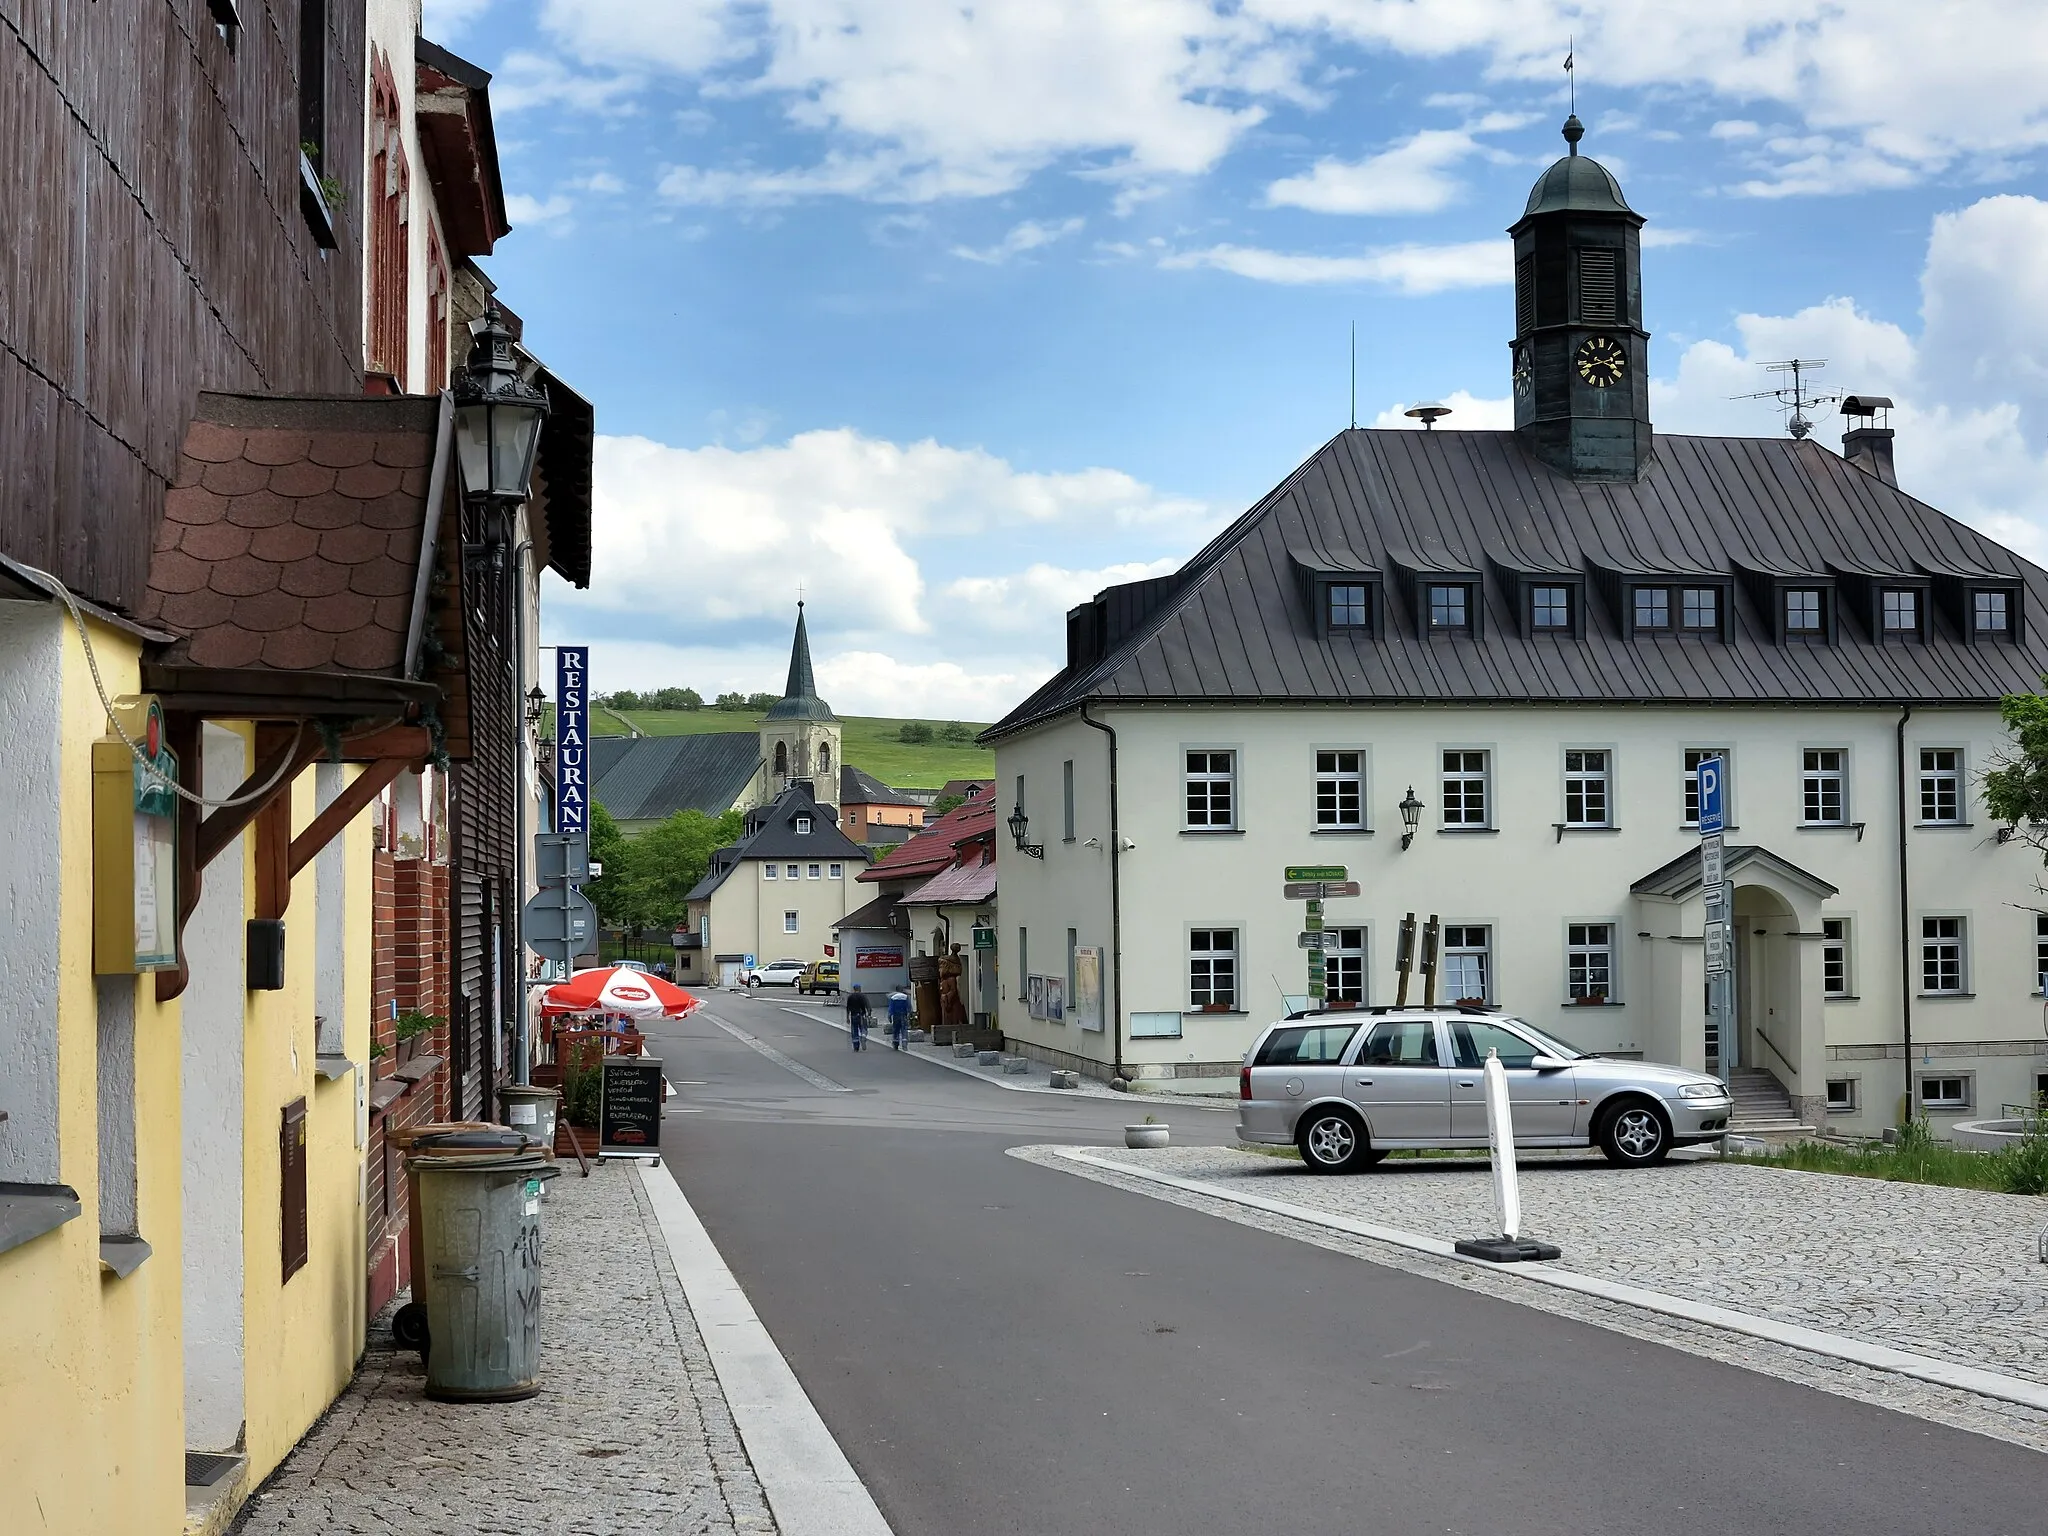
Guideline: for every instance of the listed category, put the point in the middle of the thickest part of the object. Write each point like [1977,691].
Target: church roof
[1577,183]
[1239,622]
[800,699]
[650,778]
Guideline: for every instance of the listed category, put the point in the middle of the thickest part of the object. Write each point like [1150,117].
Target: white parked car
[776,973]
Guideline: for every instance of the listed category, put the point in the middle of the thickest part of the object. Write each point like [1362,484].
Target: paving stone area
[1951,1273]
[630,1432]
[2006,1421]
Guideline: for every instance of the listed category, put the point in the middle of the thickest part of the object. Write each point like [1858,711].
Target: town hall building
[1477,671]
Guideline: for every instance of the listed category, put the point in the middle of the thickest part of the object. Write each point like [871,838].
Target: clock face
[1525,376]
[1601,361]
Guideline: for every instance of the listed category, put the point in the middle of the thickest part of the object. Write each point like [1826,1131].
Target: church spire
[800,699]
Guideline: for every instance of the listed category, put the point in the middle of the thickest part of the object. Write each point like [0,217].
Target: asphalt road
[1001,1348]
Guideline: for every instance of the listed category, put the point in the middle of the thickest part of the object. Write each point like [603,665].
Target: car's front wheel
[1634,1135]
[1333,1141]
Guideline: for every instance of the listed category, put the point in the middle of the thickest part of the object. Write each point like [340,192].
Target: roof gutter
[1116,903]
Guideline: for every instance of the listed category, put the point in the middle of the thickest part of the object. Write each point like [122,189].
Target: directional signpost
[1313,884]
[1713,798]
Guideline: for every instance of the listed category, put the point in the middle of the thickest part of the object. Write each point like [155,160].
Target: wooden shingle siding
[154,249]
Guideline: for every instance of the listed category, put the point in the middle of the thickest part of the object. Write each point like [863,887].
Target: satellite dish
[1429,413]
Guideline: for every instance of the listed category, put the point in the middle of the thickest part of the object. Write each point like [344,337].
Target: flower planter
[1597,1001]
[1145,1135]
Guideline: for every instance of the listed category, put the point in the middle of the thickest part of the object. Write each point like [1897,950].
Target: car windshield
[1551,1043]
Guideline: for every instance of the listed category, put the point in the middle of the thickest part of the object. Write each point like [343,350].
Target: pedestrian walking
[857,1011]
[899,1019]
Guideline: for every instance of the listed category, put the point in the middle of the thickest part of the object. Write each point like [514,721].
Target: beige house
[776,893]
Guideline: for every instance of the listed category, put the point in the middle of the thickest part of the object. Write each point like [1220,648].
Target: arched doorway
[1778,1025]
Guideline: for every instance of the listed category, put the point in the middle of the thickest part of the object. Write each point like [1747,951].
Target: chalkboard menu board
[629,1107]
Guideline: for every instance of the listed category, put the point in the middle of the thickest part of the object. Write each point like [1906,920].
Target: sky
[945,314]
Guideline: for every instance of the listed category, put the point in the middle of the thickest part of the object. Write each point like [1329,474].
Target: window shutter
[291,1167]
[1525,295]
[1599,300]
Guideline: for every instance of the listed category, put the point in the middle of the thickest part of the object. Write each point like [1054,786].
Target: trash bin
[532,1110]
[481,1239]
[446,1138]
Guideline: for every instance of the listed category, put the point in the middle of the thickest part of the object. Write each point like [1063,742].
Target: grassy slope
[869,743]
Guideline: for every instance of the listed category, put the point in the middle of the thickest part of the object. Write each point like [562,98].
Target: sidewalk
[631,1431]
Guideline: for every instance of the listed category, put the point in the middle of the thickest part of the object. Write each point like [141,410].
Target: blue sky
[951,314]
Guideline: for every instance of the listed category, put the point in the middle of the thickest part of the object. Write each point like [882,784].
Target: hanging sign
[135,845]
[572,738]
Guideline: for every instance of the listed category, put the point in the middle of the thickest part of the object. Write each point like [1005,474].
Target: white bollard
[1510,1247]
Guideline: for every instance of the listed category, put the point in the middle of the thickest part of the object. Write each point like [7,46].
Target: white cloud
[604,183]
[550,214]
[872,682]
[448,19]
[1030,235]
[1469,413]
[1412,269]
[1413,176]
[1023,600]
[526,81]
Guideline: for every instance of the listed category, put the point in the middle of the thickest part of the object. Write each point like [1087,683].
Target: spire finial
[1574,130]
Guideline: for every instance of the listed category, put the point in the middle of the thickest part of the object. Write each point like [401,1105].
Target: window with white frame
[1340,789]
[1941,786]
[1344,965]
[1941,954]
[836,871]
[1951,1090]
[1824,786]
[814,872]
[1464,788]
[790,872]
[1586,797]
[789,922]
[1589,960]
[1834,957]
[771,871]
[803,826]
[1841,1095]
[1212,968]
[1694,756]
[1210,785]
[1468,962]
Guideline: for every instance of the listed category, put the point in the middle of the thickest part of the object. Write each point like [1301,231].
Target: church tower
[1580,353]
[800,734]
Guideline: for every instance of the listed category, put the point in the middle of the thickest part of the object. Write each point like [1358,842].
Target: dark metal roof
[650,778]
[1577,184]
[772,834]
[1238,627]
[800,699]
[859,788]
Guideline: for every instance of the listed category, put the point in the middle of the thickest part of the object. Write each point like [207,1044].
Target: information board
[629,1106]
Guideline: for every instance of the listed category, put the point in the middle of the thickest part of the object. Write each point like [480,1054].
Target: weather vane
[1793,397]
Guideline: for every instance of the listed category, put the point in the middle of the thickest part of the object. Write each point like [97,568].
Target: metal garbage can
[448,1138]
[482,1247]
[532,1110]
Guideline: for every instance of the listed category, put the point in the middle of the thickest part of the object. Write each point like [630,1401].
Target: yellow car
[819,976]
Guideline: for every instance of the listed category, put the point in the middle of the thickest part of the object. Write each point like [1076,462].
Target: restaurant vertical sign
[572,738]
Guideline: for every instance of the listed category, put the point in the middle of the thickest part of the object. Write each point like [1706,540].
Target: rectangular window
[1450,608]
[1340,790]
[1344,965]
[1901,613]
[789,921]
[1550,608]
[770,871]
[1348,608]
[1599,292]
[313,82]
[1941,786]
[2041,952]
[1212,968]
[1211,789]
[814,871]
[790,870]
[1589,960]
[1834,956]
[1073,946]
[1586,797]
[1841,1095]
[803,826]
[1941,954]
[1653,607]
[1802,611]
[1692,759]
[1067,800]
[1825,787]
[836,871]
[1700,608]
[1951,1092]
[1468,963]
[1023,958]
[291,1187]
[1989,613]
[1465,789]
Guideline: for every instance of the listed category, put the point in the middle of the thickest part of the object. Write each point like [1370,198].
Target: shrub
[916,732]
[955,731]
[415,1023]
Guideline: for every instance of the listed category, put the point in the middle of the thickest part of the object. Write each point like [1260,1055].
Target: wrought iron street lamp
[536,702]
[1020,828]
[1411,814]
[498,413]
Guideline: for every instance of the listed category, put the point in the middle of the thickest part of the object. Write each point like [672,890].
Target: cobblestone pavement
[629,1434]
[1430,1199]
[1951,1273]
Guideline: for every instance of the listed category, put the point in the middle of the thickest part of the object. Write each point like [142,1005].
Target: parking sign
[1712,782]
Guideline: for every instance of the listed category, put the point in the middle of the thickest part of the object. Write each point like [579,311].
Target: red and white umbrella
[615,989]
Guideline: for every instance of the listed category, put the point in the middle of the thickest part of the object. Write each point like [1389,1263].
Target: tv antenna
[1793,397]
[1354,375]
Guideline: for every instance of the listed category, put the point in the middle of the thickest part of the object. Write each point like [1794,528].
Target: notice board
[629,1106]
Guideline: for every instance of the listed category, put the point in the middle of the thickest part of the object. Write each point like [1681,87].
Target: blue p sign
[1713,797]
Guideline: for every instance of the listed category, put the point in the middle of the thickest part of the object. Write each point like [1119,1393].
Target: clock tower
[1580,354]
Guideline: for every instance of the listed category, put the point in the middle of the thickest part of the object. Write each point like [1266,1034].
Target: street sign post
[1317,872]
[1312,883]
[1713,780]
[558,923]
[1716,898]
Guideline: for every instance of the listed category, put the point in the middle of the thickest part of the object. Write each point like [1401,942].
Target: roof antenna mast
[1354,375]
[1793,397]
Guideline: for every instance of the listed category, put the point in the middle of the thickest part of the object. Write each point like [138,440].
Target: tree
[942,805]
[731,701]
[955,731]
[668,859]
[2016,791]
[625,698]
[916,732]
[761,700]
[673,698]
[608,846]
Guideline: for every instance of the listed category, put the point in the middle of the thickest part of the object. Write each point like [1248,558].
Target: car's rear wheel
[1333,1141]
[1633,1135]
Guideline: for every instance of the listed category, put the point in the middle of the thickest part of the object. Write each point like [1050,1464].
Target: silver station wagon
[1347,1085]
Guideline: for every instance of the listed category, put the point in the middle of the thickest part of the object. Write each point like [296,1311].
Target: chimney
[1868,442]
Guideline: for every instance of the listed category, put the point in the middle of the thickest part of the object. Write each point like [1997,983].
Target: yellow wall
[91,1372]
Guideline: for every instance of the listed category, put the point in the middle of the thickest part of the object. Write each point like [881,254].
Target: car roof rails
[1377,1010]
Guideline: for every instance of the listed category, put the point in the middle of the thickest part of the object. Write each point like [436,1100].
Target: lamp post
[535,706]
[1411,813]
[1020,828]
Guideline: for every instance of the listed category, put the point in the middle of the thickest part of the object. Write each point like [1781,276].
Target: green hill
[868,742]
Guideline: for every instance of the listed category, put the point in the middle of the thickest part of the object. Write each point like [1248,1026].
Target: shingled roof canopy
[1240,623]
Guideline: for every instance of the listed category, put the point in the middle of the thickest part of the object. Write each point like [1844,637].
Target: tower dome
[1576,183]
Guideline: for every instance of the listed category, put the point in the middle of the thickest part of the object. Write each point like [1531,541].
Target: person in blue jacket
[899,1019]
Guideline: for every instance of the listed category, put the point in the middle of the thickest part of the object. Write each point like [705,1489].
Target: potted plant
[409,1030]
[1590,999]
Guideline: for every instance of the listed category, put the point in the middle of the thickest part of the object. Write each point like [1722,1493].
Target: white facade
[786,916]
[1822,991]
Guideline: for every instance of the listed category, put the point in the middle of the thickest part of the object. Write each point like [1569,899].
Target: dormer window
[1899,611]
[1804,613]
[1653,607]
[1550,609]
[1450,609]
[1991,613]
[1350,606]
[803,826]
[1700,608]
